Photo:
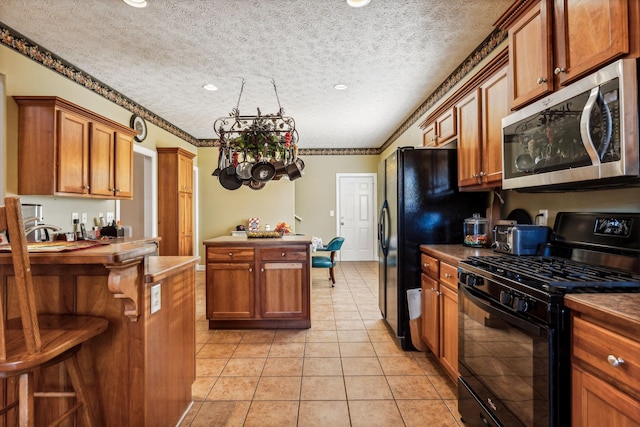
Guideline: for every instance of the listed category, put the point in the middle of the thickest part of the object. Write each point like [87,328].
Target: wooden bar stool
[35,341]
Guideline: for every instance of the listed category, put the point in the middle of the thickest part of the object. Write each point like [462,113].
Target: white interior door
[356,219]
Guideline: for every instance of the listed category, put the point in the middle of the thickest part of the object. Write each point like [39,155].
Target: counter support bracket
[123,283]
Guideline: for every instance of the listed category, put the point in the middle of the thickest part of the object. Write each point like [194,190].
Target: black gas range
[514,341]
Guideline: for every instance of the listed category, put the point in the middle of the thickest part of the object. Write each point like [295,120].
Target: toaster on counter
[519,239]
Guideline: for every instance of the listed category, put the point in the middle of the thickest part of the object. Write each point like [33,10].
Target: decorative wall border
[28,48]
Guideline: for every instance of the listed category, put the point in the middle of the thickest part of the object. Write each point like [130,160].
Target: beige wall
[26,77]
[316,191]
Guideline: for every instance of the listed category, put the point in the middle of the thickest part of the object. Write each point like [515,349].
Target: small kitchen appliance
[519,239]
[514,330]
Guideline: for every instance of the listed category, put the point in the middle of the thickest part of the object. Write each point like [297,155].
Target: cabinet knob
[426,265]
[230,253]
[87,187]
[614,361]
[481,174]
[283,254]
[448,276]
[433,289]
[250,270]
[541,80]
[262,270]
[475,175]
[558,70]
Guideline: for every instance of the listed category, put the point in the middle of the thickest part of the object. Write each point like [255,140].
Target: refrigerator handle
[383,229]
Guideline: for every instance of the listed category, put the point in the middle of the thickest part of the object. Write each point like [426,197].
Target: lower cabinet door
[430,314]
[598,403]
[449,331]
[230,291]
[283,287]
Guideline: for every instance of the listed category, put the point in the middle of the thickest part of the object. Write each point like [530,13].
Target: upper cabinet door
[123,166]
[530,56]
[589,34]
[73,153]
[101,159]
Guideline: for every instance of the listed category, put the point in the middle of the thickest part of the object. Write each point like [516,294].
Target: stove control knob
[472,280]
[506,298]
[521,304]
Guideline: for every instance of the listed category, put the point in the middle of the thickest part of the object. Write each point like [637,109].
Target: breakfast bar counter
[258,282]
[140,371]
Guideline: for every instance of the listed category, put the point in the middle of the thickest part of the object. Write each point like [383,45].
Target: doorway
[356,219]
[141,213]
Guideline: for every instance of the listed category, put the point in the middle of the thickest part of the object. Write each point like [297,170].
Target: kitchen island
[258,282]
[140,371]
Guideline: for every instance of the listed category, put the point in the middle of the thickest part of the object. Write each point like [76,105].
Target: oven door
[503,363]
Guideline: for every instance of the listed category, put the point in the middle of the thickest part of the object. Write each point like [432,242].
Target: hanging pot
[256,185]
[230,181]
[293,168]
[243,170]
[280,166]
[263,170]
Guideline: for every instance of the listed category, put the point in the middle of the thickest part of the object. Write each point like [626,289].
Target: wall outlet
[109,217]
[156,298]
[74,218]
[331,213]
[543,217]
[83,218]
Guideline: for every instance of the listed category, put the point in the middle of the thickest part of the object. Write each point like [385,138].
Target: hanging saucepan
[263,170]
[293,168]
[281,169]
[228,178]
[243,170]
[256,185]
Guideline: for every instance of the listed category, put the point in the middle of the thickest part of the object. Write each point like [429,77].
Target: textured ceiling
[392,54]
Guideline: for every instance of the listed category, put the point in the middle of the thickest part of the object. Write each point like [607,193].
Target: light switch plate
[156,298]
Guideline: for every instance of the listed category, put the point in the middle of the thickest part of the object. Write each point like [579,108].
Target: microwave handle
[595,153]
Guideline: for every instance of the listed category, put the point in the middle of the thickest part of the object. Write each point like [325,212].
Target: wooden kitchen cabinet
[605,365]
[441,130]
[258,283]
[440,311]
[553,43]
[230,283]
[480,116]
[175,201]
[283,273]
[110,162]
[74,151]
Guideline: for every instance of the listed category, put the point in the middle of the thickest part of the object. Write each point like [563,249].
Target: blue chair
[321,261]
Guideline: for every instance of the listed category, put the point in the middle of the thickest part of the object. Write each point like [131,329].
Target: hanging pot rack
[258,139]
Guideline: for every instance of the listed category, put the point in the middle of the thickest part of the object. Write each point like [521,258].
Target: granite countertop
[622,310]
[453,253]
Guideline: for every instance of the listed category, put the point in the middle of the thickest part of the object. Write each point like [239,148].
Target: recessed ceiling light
[136,3]
[340,86]
[358,3]
[210,87]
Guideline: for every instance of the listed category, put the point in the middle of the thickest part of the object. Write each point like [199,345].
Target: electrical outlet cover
[156,298]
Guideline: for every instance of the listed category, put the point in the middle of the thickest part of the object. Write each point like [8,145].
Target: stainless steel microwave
[584,135]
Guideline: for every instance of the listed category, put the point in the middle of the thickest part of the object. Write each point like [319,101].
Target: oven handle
[524,325]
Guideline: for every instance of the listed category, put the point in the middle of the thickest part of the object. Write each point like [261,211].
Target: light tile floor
[346,370]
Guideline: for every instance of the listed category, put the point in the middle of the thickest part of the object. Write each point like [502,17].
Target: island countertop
[248,241]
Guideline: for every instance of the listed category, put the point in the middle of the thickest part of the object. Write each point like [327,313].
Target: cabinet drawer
[430,266]
[229,254]
[296,253]
[449,275]
[593,344]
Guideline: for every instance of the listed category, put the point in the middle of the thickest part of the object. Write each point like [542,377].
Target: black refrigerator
[419,203]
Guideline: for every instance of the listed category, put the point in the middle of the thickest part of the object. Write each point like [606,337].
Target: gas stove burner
[558,273]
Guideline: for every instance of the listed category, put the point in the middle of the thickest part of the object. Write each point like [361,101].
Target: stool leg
[73,369]
[333,279]
[26,399]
